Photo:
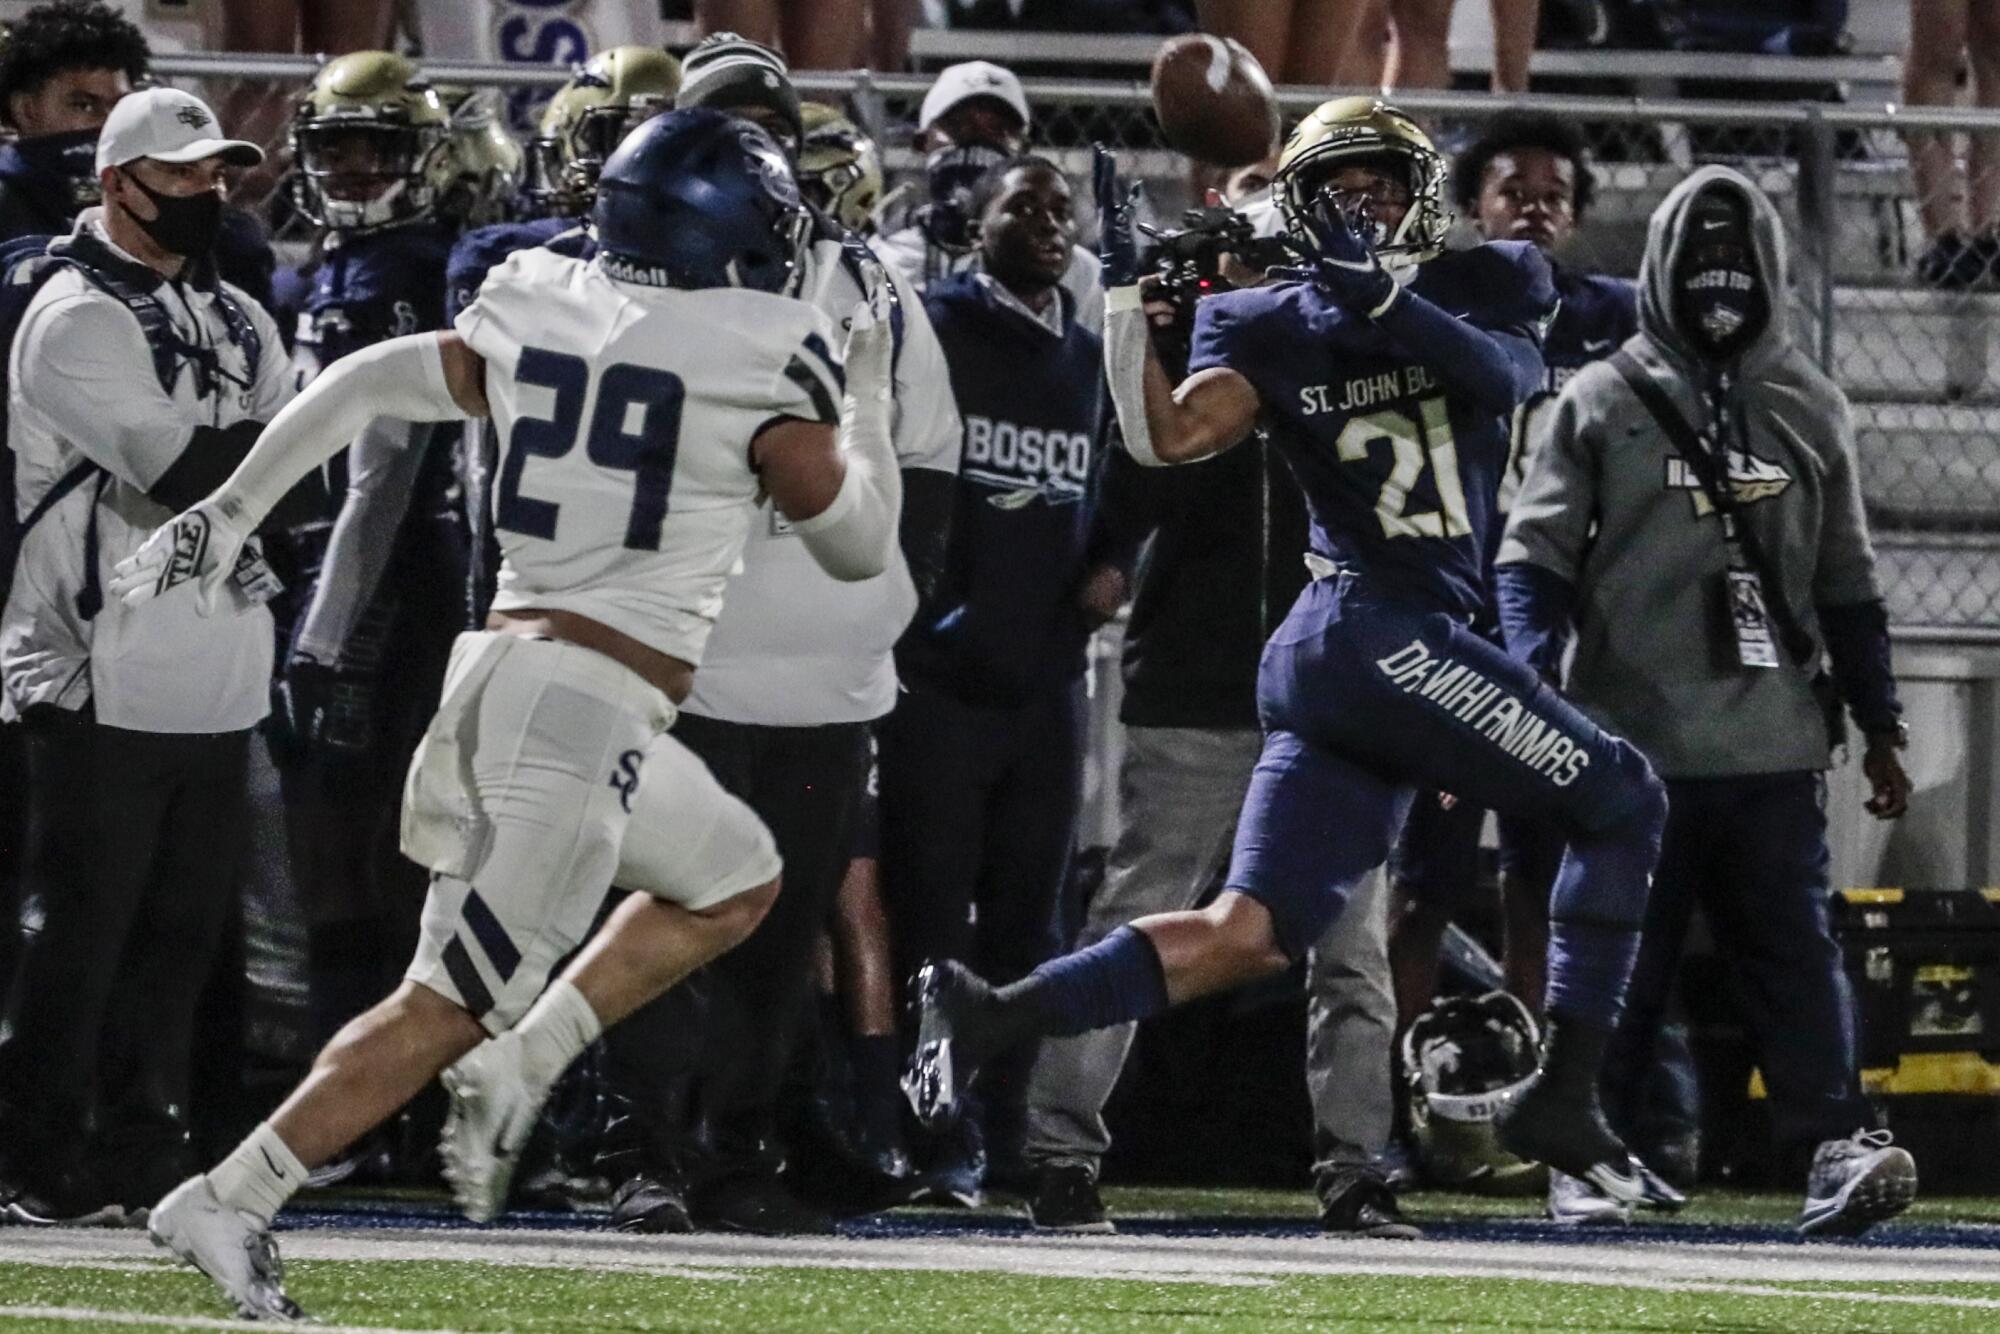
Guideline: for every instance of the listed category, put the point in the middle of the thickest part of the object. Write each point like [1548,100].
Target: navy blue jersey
[483,247]
[1401,475]
[372,287]
[1598,314]
[1004,623]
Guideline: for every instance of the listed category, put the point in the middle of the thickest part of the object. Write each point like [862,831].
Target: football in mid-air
[1214,100]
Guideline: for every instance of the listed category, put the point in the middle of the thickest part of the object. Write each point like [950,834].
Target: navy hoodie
[1004,625]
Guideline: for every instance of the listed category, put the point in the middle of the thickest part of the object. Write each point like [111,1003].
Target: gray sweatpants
[1179,792]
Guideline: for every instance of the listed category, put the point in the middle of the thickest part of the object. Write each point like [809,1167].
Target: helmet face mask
[583,124]
[1462,1060]
[371,141]
[1360,132]
[362,176]
[486,163]
[839,168]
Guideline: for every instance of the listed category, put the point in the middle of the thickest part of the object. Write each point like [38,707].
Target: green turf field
[438,1295]
[936,1274]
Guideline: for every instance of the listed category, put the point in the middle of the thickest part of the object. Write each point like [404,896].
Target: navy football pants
[1365,699]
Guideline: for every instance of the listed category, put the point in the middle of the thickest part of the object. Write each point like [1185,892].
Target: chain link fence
[1920,362]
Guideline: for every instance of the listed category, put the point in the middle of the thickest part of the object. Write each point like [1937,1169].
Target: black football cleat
[947,999]
[1567,1131]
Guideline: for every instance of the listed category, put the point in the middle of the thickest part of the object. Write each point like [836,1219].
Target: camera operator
[1224,548]
[139,380]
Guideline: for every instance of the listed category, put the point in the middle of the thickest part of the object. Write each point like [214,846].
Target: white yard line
[1225,1261]
[87,1315]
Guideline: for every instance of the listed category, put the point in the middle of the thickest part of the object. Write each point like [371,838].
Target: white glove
[200,545]
[870,351]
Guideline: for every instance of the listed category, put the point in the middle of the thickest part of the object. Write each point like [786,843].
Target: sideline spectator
[1526,178]
[1700,608]
[798,666]
[1960,208]
[138,380]
[371,633]
[973,119]
[62,68]
[982,761]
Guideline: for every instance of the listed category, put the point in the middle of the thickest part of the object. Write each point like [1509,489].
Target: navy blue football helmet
[696,199]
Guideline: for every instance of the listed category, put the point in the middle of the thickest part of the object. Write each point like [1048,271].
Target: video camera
[1186,264]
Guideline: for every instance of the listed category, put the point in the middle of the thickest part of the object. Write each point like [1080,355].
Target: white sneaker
[1574,1202]
[1856,1183]
[228,1245]
[493,1110]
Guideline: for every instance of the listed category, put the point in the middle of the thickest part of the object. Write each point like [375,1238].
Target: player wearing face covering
[1386,371]
[1693,515]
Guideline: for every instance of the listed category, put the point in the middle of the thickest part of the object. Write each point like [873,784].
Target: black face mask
[1719,298]
[950,173]
[186,225]
[70,157]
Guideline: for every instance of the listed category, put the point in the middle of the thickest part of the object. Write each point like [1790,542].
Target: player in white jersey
[644,398]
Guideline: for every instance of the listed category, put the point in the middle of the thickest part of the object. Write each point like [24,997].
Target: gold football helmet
[372,143]
[586,119]
[1354,131]
[840,169]
[486,162]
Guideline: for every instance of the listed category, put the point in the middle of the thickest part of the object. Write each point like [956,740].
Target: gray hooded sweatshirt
[1609,505]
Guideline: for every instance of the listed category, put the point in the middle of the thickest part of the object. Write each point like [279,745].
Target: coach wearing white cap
[137,381]
[973,119]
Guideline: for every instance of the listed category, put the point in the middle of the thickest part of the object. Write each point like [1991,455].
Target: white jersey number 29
[647,453]
[1411,439]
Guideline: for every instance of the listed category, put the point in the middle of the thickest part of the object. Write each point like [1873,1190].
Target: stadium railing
[1921,366]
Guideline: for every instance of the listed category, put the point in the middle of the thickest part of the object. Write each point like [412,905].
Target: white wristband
[1126,339]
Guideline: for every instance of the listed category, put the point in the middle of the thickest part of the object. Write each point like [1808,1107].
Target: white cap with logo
[170,126]
[974,78]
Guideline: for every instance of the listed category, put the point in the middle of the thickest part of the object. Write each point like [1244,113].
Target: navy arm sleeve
[1857,642]
[1496,370]
[1536,607]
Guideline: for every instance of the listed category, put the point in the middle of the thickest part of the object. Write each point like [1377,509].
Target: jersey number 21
[1411,438]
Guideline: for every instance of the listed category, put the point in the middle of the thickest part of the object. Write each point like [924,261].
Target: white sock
[259,1176]
[555,1031]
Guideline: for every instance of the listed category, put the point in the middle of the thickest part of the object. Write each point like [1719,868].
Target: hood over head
[1668,238]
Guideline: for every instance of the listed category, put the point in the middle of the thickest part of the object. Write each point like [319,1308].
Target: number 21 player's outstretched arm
[1212,410]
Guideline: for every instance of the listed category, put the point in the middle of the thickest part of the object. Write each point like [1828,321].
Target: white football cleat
[230,1246]
[493,1110]
[1574,1202]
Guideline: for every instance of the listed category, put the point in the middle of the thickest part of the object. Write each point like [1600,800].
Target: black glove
[1117,249]
[1345,268]
[322,707]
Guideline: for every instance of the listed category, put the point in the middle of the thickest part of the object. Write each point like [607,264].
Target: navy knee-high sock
[1115,981]
[1595,912]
